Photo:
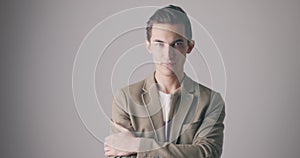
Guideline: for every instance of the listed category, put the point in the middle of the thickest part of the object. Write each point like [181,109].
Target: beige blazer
[196,123]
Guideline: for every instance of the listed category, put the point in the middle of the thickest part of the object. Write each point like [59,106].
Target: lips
[167,64]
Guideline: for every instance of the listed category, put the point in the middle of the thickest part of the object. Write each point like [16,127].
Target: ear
[191,45]
[148,46]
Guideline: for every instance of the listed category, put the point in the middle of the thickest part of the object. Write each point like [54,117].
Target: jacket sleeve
[120,116]
[207,142]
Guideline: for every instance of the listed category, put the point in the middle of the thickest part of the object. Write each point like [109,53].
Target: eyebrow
[160,41]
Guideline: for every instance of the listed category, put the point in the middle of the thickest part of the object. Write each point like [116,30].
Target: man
[167,114]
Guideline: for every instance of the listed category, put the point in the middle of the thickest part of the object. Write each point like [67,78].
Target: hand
[121,144]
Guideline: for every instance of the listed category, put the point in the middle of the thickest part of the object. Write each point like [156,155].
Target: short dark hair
[169,15]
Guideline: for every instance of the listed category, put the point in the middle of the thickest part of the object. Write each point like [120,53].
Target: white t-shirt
[165,100]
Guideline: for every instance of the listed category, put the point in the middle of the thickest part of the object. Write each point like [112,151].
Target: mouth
[167,64]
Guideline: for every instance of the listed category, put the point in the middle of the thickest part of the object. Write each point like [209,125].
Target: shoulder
[205,93]
[131,91]
[134,88]
[209,95]
[196,88]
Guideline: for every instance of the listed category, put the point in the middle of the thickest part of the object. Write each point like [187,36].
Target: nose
[169,52]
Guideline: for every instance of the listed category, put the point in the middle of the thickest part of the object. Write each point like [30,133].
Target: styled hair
[169,15]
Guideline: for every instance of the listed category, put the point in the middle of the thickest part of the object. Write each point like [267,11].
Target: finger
[120,153]
[109,153]
[107,148]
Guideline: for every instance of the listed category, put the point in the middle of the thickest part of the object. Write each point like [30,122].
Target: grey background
[259,41]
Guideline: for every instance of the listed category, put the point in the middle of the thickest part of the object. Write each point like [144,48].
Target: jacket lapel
[152,105]
[186,100]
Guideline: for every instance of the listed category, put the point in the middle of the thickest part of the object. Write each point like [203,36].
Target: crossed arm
[207,141]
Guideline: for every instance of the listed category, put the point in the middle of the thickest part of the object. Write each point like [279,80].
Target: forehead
[167,32]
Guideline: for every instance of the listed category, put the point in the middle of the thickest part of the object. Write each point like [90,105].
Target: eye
[178,44]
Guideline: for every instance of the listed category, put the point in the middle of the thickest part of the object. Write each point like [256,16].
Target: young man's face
[169,47]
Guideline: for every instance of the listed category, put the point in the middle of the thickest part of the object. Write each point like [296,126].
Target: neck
[168,84]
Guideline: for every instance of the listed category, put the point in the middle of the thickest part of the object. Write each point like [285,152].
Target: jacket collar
[187,83]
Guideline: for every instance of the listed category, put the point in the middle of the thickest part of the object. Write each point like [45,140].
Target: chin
[166,71]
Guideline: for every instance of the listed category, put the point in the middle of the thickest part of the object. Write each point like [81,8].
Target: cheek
[180,54]
[156,56]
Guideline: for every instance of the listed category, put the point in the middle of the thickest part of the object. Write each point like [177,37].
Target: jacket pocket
[188,132]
